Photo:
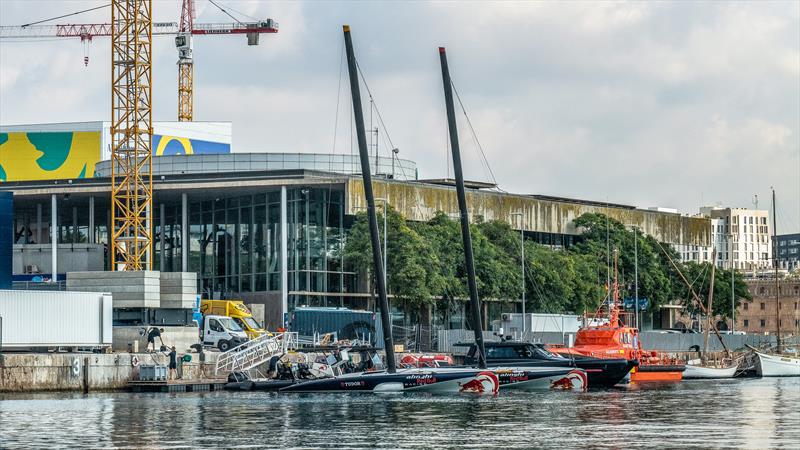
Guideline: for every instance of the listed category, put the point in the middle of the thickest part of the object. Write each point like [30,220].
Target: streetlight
[733,277]
[522,252]
[385,213]
[636,272]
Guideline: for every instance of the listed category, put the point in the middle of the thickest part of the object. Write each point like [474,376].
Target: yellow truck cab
[236,310]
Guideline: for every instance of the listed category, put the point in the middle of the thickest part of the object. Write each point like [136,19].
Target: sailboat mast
[377,259]
[775,263]
[709,309]
[477,323]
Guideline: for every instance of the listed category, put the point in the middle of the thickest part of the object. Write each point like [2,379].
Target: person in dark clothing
[152,333]
[173,364]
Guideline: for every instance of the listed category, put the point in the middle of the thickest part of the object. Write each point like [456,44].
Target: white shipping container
[55,319]
[537,323]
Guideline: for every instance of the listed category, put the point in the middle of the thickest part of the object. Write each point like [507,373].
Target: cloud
[646,103]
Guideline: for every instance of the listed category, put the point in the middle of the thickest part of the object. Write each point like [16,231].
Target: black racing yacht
[601,372]
[475,379]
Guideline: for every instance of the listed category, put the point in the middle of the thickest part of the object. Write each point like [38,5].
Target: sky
[670,104]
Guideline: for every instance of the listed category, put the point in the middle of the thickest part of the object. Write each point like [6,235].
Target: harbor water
[741,413]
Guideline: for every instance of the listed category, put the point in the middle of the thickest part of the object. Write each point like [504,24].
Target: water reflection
[756,413]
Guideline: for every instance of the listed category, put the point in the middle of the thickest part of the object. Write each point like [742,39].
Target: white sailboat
[779,364]
[695,369]
[703,368]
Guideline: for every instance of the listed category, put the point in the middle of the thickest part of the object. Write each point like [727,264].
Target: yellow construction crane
[131,134]
[183,32]
[132,30]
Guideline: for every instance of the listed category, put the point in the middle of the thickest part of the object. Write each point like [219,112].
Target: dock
[202,385]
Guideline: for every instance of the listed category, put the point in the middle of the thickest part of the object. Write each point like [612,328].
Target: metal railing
[255,352]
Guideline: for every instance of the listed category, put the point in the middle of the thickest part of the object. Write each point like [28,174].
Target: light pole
[733,277]
[522,259]
[636,273]
[385,213]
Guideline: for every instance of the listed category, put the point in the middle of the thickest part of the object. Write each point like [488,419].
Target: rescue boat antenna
[377,259]
[477,322]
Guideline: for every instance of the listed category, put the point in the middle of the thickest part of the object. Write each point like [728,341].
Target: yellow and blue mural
[48,156]
[64,155]
[175,145]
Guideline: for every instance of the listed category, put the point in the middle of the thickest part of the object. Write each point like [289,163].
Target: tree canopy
[426,262]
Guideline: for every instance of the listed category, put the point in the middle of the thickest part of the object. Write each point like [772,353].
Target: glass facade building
[234,244]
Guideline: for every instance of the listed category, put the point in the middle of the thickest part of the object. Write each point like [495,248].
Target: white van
[222,332]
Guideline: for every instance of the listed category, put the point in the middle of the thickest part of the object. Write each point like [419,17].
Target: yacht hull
[696,371]
[777,366]
[449,380]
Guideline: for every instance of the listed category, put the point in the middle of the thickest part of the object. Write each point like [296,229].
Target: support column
[38,223]
[284,257]
[54,237]
[184,232]
[75,225]
[91,237]
[162,219]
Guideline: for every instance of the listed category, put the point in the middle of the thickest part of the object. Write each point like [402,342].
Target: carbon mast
[477,322]
[377,258]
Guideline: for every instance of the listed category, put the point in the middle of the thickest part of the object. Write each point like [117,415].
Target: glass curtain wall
[234,244]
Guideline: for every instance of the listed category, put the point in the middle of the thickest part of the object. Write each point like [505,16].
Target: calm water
[751,413]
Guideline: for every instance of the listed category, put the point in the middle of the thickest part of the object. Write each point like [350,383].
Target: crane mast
[131,134]
[183,41]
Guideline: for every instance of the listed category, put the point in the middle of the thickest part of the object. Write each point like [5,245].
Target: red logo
[575,379]
[483,383]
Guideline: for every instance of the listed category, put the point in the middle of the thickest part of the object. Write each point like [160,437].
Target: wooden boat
[696,369]
[777,365]
[703,368]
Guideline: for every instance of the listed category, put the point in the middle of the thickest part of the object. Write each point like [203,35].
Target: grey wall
[71,257]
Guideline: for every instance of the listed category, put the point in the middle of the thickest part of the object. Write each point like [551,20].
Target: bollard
[85,375]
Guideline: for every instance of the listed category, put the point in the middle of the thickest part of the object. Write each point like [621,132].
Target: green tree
[409,259]
[601,235]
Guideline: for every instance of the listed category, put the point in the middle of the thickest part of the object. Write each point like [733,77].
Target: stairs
[255,352]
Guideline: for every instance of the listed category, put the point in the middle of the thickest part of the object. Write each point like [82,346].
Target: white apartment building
[741,236]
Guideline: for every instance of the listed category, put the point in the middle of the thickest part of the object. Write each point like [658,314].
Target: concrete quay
[31,372]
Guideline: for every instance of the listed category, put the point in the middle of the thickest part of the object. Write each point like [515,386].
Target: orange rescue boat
[607,336]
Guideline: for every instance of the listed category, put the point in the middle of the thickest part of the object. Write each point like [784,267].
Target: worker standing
[173,364]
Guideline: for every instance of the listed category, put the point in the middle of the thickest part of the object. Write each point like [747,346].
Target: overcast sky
[672,104]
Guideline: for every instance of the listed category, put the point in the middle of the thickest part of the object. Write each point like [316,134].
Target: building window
[763,323]
[763,306]
[746,322]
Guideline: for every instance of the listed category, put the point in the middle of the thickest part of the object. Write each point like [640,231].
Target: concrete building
[788,251]
[742,237]
[269,228]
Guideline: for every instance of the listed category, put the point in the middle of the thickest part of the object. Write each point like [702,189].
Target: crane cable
[226,12]
[65,15]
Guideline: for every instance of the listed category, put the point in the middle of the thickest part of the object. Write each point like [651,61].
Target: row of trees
[426,263]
